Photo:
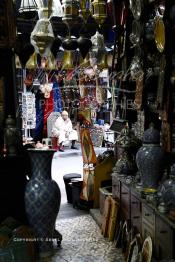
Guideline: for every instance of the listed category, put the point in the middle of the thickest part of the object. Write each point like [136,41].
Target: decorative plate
[159,34]
[136,8]
[147,250]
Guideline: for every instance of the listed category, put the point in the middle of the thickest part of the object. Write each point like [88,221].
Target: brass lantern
[70,11]
[99,11]
[42,35]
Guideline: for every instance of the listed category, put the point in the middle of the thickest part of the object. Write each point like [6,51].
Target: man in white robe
[64,131]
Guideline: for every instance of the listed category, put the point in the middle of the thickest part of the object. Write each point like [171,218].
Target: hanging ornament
[84,45]
[46,88]
[32,62]
[70,11]
[98,50]
[42,35]
[23,48]
[67,62]
[70,44]
[85,9]
[28,9]
[99,11]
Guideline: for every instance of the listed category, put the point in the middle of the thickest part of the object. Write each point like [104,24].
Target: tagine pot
[150,159]
[42,200]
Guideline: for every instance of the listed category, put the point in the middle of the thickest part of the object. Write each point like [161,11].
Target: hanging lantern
[42,35]
[70,11]
[99,11]
[32,62]
[85,9]
[46,6]
[67,62]
[98,49]
[28,9]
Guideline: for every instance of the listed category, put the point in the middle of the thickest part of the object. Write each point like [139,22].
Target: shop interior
[87,130]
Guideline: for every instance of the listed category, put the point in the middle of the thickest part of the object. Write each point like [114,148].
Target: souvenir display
[28,113]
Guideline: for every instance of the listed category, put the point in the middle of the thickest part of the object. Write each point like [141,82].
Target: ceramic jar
[42,200]
[150,159]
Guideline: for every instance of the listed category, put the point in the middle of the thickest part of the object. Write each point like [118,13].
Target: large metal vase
[150,161]
[42,200]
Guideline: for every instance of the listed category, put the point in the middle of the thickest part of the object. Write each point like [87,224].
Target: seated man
[64,131]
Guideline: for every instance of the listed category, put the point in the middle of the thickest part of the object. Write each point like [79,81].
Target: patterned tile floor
[82,239]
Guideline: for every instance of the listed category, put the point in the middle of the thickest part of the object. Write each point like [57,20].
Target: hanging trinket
[46,88]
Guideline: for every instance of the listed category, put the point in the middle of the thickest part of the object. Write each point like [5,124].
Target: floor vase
[42,200]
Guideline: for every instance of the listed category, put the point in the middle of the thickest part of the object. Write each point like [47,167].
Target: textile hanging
[39,118]
[48,108]
[57,103]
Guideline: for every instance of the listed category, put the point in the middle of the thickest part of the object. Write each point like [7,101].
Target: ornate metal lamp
[70,11]
[99,11]
[42,35]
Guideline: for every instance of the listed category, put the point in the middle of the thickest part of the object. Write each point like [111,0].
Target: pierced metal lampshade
[28,8]
[42,35]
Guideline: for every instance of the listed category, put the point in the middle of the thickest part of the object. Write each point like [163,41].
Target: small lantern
[42,35]
[99,11]
[70,11]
